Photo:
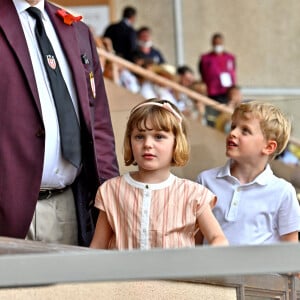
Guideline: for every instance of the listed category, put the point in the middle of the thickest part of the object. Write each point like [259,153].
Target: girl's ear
[270,147]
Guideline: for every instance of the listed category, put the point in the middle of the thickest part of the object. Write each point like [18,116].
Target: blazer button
[40,132]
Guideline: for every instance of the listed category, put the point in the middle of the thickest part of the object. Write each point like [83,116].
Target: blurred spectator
[234,98]
[139,59]
[200,87]
[122,34]
[295,149]
[146,86]
[289,155]
[115,72]
[128,80]
[121,76]
[109,70]
[163,91]
[151,90]
[186,78]
[217,69]
[144,45]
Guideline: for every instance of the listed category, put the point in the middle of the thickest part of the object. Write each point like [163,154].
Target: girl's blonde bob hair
[161,119]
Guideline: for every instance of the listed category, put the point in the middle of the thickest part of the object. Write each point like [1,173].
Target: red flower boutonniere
[68,18]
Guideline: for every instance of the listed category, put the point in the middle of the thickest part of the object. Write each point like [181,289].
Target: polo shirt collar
[262,179]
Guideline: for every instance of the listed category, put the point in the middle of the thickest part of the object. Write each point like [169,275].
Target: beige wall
[264,34]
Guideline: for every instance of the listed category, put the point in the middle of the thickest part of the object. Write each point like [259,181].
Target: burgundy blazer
[22,135]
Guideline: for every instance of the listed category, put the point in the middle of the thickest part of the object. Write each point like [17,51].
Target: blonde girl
[151,207]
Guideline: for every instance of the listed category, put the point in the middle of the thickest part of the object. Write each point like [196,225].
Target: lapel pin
[85,59]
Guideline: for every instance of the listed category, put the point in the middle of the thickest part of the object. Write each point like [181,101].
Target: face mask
[146,44]
[218,48]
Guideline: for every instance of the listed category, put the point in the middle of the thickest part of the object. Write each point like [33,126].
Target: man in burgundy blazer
[22,132]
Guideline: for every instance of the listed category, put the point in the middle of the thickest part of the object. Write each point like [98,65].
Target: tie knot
[35,13]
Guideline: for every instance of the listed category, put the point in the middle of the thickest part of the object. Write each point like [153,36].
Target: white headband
[164,105]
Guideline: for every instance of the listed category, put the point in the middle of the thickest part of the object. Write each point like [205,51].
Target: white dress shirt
[57,172]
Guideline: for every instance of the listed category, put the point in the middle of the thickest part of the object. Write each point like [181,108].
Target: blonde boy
[254,206]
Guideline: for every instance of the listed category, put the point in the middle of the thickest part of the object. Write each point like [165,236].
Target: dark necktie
[68,123]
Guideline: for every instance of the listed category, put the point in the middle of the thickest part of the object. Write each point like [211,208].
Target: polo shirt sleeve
[289,211]
[199,178]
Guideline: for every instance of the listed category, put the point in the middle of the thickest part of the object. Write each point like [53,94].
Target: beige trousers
[54,220]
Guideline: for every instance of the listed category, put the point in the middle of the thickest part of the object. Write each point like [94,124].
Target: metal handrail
[150,75]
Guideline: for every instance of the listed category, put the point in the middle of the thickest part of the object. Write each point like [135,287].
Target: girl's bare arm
[103,232]
[211,229]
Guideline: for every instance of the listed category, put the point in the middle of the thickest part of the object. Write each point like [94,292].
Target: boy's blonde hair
[161,119]
[273,123]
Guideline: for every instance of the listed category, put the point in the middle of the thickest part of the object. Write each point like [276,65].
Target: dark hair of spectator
[136,54]
[129,12]
[217,35]
[184,69]
[142,29]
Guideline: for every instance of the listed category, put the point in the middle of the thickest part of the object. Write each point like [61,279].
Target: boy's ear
[270,147]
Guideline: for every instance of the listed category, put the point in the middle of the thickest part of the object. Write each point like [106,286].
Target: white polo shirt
[258,212]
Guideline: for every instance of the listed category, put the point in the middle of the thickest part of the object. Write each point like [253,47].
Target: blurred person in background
[145,46]
[186,78]
[234,98]
[217,69]
[200,87]
[122,34]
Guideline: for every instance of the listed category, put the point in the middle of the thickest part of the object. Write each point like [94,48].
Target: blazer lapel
[68,39]
[12,29]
